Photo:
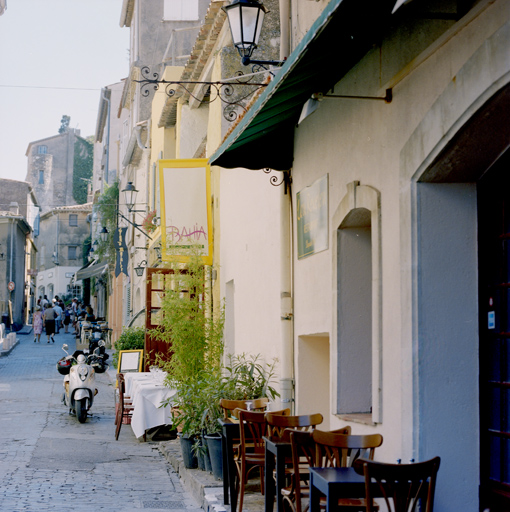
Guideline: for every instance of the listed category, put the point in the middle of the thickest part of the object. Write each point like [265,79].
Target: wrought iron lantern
[245,18]
[103,234]
[130,195]
[140,268]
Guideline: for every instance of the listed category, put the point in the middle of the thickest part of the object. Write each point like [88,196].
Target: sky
[55,56]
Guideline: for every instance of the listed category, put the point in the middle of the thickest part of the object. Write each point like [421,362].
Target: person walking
[58,318]
[38,324]
[49,322]
[67,318]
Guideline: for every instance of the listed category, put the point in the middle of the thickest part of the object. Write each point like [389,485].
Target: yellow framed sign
[130,361]
[186,217]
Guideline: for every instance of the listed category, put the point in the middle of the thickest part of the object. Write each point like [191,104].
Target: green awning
[338,39]
[91,270]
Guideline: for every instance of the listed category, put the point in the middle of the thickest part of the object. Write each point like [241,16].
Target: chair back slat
[339,450]
[402,486]
[303,456]
[229,406]
[252,428]
[277,423]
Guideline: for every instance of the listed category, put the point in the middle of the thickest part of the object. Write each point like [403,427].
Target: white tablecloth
[147,396]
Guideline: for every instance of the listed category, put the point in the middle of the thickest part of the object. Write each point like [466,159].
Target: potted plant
[195,332]
[245,377]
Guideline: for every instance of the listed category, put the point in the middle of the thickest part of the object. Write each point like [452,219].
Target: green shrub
[132,338]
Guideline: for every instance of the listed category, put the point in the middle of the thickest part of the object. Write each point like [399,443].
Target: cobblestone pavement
[51,462]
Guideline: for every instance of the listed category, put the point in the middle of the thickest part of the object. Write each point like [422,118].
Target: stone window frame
[360,196]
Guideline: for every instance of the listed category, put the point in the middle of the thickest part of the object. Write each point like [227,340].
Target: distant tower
[56,166]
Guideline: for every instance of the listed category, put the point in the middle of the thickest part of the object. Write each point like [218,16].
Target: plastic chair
[402,485]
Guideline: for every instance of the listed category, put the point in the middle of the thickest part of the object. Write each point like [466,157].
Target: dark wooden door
[157,283]
[494,291]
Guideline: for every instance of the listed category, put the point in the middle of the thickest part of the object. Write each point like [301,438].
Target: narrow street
[51,462]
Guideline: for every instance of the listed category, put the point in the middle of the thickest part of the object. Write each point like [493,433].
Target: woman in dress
[38,324]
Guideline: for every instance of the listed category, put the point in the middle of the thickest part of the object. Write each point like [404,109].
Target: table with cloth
[147,393]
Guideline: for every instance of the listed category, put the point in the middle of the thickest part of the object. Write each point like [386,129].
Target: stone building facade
[14,235]
[50,169]
[60,249]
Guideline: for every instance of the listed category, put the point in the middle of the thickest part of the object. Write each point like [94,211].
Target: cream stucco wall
[388,147]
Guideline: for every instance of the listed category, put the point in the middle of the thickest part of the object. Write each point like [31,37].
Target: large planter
[215,454]
[202,453]
[188,457]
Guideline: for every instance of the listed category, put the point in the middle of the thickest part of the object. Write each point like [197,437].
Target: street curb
[5,353]
[202,485]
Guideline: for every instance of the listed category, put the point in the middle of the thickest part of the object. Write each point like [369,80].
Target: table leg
[269,487]
[315,497]
[225,468]
[280,480]
[232,471]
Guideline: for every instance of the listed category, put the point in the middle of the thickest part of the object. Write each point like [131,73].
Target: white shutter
[180,10]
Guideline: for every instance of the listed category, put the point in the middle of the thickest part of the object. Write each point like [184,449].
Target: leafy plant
[106,208]
[194,329]
[82,169]
[132,338]
[246,378]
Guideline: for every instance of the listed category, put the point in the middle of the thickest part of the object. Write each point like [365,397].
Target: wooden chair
[303,457]
[280,427]
[252,429]
[277,423]
[402,485]
[338,450]
[229,406]
[124,407]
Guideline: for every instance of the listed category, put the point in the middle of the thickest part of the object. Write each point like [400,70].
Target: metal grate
[176,505]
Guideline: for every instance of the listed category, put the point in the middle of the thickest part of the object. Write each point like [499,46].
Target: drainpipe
[12,249]
[287,322]
[284,29]
[107,170]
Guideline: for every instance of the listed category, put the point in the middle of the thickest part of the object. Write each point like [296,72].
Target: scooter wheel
[81,410]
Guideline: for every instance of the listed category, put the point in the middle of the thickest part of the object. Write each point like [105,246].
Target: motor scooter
[79,370]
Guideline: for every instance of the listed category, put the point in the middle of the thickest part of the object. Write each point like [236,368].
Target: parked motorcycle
[79,370]
[92,334]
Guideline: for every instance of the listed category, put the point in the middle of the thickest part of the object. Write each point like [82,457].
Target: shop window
[75,291]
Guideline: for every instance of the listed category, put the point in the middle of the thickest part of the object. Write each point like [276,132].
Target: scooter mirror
[65,346]
[101,343]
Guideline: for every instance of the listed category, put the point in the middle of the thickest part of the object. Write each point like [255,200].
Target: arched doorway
[463,303]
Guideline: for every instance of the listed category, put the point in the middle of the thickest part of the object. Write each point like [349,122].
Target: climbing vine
[106,209]
[82,169]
